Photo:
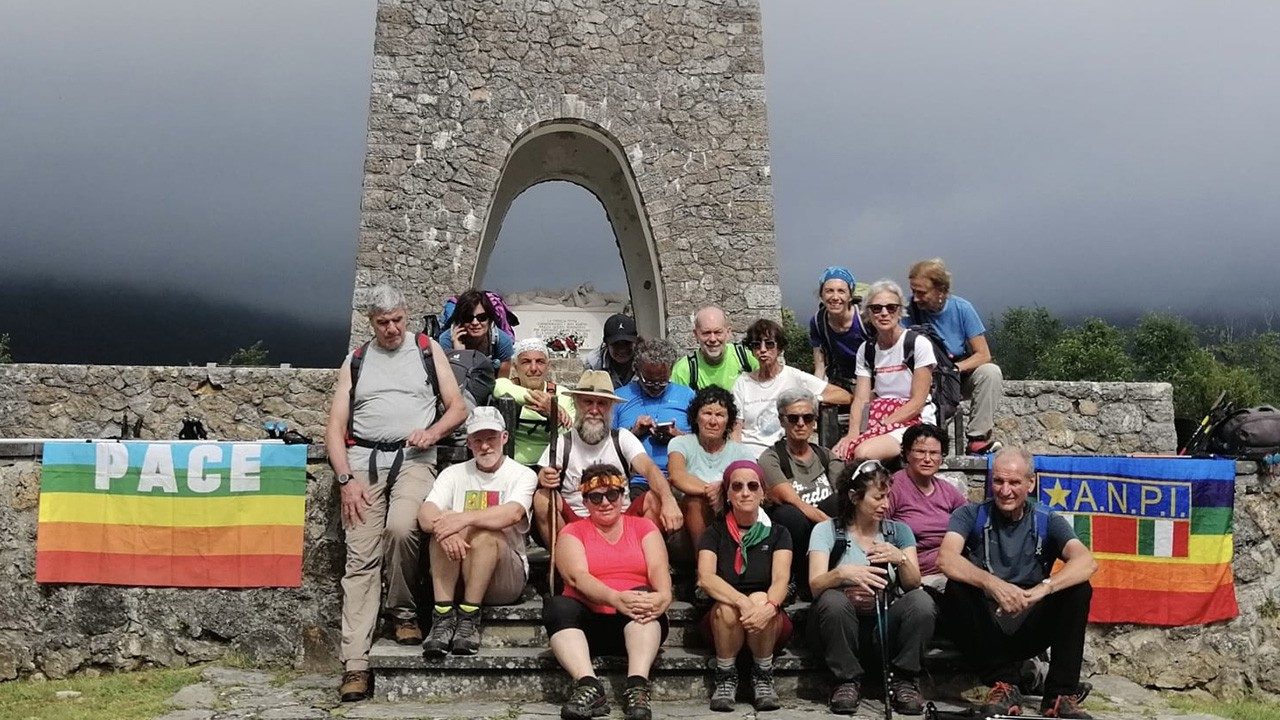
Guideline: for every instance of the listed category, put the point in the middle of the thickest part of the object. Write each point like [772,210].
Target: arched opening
[588,157]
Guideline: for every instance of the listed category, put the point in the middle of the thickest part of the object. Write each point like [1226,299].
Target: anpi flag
[171,514]
[1160,529]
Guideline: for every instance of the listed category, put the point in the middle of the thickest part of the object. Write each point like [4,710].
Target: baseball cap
[485,417]
[619,328]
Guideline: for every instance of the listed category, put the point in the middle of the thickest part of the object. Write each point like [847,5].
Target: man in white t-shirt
[477,515]
[592,440]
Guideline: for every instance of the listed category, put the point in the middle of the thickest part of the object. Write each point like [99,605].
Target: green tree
[798,353]
[1092,351]
[1261,354]
[1161,345]
[5,355]
[1202,377]
[1019,338]
[255,354]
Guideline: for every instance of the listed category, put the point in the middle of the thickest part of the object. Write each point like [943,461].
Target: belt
[396,447]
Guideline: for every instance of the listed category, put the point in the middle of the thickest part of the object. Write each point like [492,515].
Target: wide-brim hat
[595,383]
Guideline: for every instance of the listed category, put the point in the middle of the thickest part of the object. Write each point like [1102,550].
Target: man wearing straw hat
[592,440]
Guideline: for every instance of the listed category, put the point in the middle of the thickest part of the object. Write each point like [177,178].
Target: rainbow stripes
[1160,529]
[172,514]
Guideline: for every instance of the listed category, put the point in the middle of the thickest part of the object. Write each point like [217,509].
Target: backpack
[784,458]
[692,359]
[503,319]
[981,531]
[617,447]
[1252,433]
[945,388]
[828,345]
[841,544]
[474,373]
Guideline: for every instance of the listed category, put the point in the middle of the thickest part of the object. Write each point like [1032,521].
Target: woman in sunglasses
[696,461]
[471,326]
[617,590]
[744,566]
[756,392]
[893,381]
[853,558]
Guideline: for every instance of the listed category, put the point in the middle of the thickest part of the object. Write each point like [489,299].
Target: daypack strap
[617,448]
[981,531]
[784,458]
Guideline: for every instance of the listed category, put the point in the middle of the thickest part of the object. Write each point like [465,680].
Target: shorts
[784,634]
[509,578]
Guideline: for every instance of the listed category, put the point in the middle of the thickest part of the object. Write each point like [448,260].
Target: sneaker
[1001,699]
[763,694]
[1062,706]
[356,685]
[904,693]
[586,701]
[983,446]
[844,700]
[466,638]
[407,632]
[635,699]
[440,638]
[725,693]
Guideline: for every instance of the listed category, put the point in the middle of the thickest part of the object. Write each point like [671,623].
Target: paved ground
[229,694]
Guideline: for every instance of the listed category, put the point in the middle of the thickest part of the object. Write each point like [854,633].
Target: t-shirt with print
[758,574]
[957,323]
[926,515]
[723,374]
[582,456]
[671,406]
[705,466]
[464,487]
[811,481]
[893,377]
[620,565]
[823,540]
[758,404]
[1011,546]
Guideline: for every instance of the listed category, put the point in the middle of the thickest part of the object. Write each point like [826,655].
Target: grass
[1241,709]
[116,696]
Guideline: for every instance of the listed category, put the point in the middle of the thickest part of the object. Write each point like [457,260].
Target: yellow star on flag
[1057,494]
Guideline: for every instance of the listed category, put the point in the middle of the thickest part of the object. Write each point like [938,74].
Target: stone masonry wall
[59,630]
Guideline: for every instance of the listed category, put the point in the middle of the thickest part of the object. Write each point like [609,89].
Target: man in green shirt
[717,361]
[532,390]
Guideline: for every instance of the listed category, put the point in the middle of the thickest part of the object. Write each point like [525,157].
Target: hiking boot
[904,693]
[1062,706]
[844,700]
[725,693]
[440,639]
[356,685]
[1001,699]
[983,446]
[466,638]
[635,699]
[586,701]
[406,632]
[763,694]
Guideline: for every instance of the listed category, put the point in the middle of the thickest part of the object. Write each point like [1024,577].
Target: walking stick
[553,423]
[882,629]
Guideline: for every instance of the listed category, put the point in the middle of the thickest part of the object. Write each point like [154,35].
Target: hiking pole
[1193,442]
[553,424]
[882,629]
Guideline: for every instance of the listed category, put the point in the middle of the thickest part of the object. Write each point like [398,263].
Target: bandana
[835,272]
[602,482]
[528,344]
[755,535]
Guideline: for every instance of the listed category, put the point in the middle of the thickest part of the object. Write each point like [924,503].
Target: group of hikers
[710,457]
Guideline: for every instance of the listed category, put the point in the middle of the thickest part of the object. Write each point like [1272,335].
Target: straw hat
[595,383]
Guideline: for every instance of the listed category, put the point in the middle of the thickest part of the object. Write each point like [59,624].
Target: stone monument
[656,107]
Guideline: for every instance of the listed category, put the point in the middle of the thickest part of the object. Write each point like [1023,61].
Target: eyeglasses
[877,308]
[752,485]
[477,318]
[596,498]
[798,418]
[926,453]
[764,344]
[660,382]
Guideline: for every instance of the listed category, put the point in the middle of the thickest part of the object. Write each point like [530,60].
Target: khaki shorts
[509,578]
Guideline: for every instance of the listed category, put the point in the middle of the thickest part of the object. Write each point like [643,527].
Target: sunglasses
[752,485]
[661,382]
[477,318]
[868,466]
[596,498]
[877,308]
[764,344]
[798,418]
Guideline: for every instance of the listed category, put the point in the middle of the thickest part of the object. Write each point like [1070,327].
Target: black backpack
[945,387]
[692,359]
[474,372]
[784,459]
[1251,433]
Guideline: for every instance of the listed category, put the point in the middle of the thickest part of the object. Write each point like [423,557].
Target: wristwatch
[1048,585]
[344,478]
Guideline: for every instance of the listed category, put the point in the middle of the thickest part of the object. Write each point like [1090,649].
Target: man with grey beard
[593,440]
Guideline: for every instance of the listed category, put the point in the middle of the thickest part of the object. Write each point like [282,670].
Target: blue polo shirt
[957,323]
[671,406]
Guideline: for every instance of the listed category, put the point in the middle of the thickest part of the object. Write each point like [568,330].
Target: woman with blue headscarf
[836,331]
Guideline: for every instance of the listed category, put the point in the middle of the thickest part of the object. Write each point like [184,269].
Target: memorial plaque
[568,331]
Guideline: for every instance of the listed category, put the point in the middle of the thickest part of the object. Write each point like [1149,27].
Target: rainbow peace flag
[1160,529]
[172,514]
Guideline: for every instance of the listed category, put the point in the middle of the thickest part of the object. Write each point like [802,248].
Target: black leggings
[604,631]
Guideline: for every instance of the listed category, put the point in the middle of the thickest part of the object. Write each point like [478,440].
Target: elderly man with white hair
[532,389]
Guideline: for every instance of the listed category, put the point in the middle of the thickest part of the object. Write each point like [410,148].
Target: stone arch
[583,153]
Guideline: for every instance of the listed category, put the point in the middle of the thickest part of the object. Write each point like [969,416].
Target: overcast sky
[1093,156]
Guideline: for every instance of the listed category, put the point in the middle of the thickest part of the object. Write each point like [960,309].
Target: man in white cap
[532,389]
[592,440]
[477,516]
